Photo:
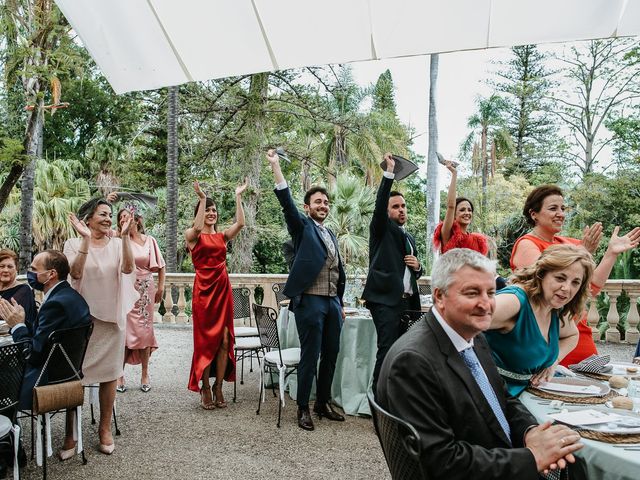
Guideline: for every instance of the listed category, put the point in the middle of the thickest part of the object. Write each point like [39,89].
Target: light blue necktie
[470,358]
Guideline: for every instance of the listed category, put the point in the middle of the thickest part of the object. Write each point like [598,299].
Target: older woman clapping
[102,271]
[10,288]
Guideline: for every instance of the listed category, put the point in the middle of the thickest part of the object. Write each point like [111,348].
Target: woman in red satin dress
[212,302]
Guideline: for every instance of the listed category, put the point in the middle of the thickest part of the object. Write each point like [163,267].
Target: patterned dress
[140,333]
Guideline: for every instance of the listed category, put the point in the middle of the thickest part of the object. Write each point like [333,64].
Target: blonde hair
[554,258]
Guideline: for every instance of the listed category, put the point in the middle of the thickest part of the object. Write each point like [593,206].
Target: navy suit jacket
[64,308]
[425,381]
[387,249]
[310,250]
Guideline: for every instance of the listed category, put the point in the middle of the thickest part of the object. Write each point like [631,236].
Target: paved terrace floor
[165,434]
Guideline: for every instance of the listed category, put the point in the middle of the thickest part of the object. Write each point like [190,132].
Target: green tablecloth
[603,460]
[354,366]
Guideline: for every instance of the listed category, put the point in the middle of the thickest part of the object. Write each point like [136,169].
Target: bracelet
[86,253]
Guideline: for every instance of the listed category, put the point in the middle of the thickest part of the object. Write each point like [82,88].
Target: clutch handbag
[49,398]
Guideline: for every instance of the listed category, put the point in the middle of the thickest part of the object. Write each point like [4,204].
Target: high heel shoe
[66,454]
[218,399]
[106,449]
[207,404]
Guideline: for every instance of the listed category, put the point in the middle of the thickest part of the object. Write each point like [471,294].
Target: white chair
[285,362]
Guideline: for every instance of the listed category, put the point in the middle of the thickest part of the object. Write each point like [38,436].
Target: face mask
[32,279]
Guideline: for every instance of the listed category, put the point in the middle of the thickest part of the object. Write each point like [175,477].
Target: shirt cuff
[281,185]
[16,326]
[389,175]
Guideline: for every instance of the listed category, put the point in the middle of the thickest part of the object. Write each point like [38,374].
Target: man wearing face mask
[62,307]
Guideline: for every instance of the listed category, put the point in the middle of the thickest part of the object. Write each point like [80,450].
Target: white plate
[564,385]
[620,368]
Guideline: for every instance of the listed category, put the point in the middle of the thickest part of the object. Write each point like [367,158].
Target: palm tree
[171,234]
[433,194]
[355,137]
[351,209]
[495,141]
[58,191]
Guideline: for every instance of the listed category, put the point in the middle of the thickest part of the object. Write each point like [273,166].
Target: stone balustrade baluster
[182,317]
[632,334]
[168,304]
[157,318]
[612,334]
[593,318]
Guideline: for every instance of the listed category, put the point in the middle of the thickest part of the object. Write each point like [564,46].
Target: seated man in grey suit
[440,378]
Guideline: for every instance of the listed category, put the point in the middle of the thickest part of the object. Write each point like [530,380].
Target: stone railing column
[612,334]
[593,318]
[182,305]
[632,334]
[157,318]
[168,305]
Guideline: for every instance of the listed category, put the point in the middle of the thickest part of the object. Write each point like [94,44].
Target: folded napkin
[592,364]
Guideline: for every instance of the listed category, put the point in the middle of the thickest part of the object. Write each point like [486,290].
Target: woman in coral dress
[212,302]
[453,231]
[544,211]
[140,338]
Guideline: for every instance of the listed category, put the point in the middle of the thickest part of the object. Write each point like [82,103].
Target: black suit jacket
[425,381]
[310,250]
[387,250]
[64,308]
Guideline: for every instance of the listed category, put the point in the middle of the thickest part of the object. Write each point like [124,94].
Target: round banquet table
[354,366]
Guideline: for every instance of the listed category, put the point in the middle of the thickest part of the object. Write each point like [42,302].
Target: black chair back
[66,343]
[267,322]
[409,318]
[400,443]
[12,365]
[277,289]
[424,289]
[241,303]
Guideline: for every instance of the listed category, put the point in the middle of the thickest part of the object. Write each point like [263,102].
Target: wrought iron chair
[424,289]
[400,443]
[247,342]
[285,362]
[277,290]
[65,349]
[409,318]
[12,365]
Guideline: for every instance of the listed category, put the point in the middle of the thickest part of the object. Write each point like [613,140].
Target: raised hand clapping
[79,226]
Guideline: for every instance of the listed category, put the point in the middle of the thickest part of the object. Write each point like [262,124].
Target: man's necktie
[470,358]
[407,244]
[328,241]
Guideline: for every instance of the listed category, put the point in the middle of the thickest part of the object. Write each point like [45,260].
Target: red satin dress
[459,239]
[212,307]
[586,346]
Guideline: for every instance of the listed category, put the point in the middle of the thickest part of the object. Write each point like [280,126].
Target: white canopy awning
[147,44]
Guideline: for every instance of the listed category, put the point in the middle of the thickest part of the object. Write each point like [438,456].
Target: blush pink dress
[139,329]
[110,294]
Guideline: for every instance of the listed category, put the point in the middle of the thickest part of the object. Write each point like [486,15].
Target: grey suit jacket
[425,381]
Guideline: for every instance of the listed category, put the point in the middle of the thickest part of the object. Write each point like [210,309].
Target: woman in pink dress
[212,302]
[140,339]
[102,271]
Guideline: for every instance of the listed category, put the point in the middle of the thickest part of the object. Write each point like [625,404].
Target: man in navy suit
[394,268]
[440,377]
[315,286]
[62,307]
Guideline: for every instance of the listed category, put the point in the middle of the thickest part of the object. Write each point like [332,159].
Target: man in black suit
[315,286]
[394,268]
[440,377]
[62,307]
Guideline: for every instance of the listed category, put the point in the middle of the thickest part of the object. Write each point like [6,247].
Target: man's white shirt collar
[46,295]
[457,340]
